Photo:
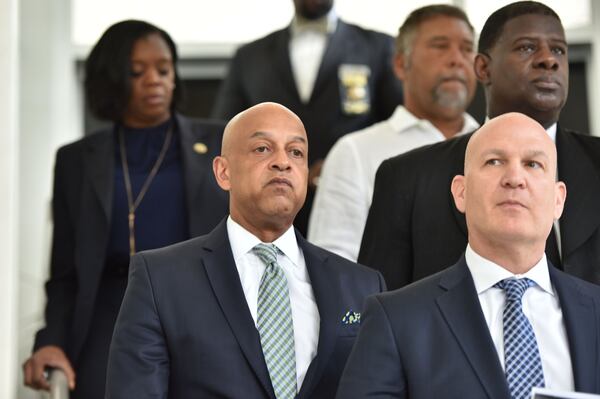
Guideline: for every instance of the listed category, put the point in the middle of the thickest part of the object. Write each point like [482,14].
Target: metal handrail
[59,385]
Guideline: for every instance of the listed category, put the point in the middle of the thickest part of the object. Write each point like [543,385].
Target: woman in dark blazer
[144,183]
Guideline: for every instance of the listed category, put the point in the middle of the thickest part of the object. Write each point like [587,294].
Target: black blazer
[414,229]
[185,330]
[430,340]
[261,71]
[81,206]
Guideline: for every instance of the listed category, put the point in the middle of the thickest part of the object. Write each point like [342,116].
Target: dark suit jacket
[185,330]
[430,340]
[261,71]
[81,205]
[414,229]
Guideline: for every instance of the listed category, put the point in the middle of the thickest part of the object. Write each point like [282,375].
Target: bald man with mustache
[251,310]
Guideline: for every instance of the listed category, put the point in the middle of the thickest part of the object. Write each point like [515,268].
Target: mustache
[455,77]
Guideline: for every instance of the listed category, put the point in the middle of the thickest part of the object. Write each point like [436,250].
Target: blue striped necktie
[275,324]
[522,362]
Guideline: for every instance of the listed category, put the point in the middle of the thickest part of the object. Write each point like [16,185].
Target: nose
[546,58]
[514,177]
[457,56]
[280,161]
[152,76]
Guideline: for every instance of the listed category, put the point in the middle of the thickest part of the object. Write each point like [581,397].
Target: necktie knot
[514,288]
[266,252]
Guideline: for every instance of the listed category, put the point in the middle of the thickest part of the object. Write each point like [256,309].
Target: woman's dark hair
[108,68]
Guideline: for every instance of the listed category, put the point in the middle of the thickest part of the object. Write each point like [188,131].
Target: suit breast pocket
[349,331]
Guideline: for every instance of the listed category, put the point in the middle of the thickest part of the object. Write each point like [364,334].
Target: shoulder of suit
[584,287]
[177,251]
[370,33]
[77,146]
[432,154]
[258,45]
[340,263]
[588,144]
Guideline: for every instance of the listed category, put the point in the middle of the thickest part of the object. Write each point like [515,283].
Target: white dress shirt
[540,305]
[305,313]
[345,190]
[307,45]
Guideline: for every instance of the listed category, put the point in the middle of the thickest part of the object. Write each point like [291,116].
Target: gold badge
[354,88]
[200,148]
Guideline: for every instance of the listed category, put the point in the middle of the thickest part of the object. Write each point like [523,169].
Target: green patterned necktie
[275,324]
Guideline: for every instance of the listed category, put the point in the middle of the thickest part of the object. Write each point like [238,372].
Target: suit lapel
[99,166]
[461,310]
[332,57]
[582,336]
[327,291]
[283,64]
[580,218]
[194,170]
[225,281]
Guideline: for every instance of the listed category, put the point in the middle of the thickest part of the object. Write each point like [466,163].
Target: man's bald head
[500,126]
[509,192]
[253,116]
[264,166]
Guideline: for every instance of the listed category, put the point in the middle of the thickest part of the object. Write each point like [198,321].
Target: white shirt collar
[486,273]
[552,132]
[242,241]
[402,120]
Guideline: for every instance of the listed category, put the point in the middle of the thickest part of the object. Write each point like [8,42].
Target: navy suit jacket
[81,209]
[430,340]
[414,229]
[185,330]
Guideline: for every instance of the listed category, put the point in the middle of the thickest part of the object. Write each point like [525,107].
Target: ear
[458,192]
[221,171]
[560,197]
[482,68]
[400,63]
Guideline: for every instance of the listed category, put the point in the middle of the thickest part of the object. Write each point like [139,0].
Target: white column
[8,194]
[49,116]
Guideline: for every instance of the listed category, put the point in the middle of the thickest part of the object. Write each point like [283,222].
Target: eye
[261,149]
[297,153]
[493,162]
[136,73]
[526,48]
[559,50]
[534,165]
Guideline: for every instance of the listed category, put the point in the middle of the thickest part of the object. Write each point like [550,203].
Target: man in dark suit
[414,230]
[502,320]
[197,318]
[337,77]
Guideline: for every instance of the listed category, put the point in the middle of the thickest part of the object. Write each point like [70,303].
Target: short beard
[454,100]
[319,11]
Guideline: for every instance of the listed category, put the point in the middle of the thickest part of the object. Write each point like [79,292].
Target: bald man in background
[197,318]
[502,320]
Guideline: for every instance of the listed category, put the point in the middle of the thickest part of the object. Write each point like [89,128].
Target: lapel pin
[200,148]
[351,317]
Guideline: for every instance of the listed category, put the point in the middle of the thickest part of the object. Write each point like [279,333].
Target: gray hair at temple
[408,30]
